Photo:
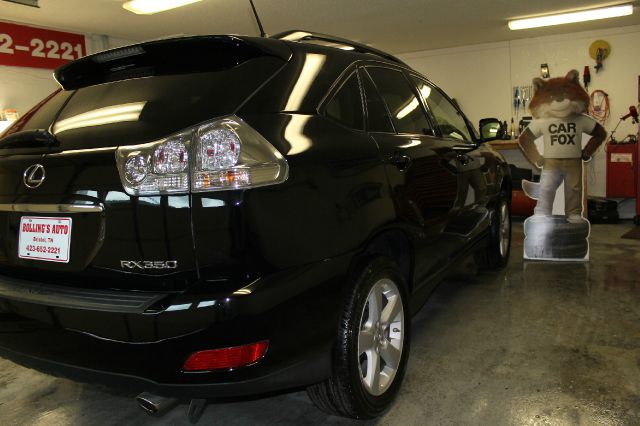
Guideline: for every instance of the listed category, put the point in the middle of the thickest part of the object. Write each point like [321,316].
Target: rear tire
[496,254]
[372,346]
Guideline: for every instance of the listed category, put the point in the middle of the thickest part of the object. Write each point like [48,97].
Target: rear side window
[377,115]
[405,109]
[346,105]
[451,123]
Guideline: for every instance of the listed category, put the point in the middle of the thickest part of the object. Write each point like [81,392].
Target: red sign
[23,46]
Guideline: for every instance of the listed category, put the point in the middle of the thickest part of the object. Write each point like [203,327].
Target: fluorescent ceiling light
[571,17]
[147,7]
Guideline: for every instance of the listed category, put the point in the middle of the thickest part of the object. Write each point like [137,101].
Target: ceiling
[397,26]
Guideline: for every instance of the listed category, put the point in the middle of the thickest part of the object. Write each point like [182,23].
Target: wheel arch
[505,180]
[396,245]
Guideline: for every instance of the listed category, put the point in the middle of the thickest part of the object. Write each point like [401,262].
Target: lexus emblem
[33,176]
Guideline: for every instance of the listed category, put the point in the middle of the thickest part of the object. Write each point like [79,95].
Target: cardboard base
[553,238]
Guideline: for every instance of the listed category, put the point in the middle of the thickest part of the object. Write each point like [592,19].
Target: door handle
[461,153]
[463,159]
[401,161]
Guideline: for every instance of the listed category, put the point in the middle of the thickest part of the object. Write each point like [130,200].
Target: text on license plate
[45,238]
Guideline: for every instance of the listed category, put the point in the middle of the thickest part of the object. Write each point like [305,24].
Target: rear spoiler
[169,56]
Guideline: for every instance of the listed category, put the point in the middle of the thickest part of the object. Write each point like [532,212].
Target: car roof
[339,43]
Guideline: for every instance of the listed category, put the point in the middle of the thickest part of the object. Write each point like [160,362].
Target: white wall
[481,77]
[22,88]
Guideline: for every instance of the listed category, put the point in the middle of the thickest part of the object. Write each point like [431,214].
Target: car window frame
[411,87]
[333,91]
[361,69]
[470,128]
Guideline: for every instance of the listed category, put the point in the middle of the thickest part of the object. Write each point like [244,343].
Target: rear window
[42,115]
[145,109]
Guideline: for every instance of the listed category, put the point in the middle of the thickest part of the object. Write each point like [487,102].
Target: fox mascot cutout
[558,108]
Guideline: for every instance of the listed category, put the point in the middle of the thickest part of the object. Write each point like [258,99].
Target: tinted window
[377,115]
[346,105]
[170,103]
[450,121]
[42,115]
[379,120]
[406,112]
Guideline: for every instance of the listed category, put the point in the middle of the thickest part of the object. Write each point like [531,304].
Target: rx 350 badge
[148,264]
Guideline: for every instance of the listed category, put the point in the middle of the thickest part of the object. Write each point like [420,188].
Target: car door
[471,216]
[420,168]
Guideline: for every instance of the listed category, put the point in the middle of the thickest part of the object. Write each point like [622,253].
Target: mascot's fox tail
[532,189]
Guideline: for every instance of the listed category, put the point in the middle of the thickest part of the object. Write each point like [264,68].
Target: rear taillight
[222,154]
[226,358]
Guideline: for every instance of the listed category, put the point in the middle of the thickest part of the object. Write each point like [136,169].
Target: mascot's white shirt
[562,136]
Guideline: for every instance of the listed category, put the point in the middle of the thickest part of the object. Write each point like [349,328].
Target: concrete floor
[535,344]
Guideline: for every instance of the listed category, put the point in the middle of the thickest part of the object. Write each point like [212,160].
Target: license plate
[45,238]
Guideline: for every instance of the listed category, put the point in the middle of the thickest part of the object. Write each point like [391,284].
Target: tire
[558,227]
[352,391]
[554,238]
[496,254]
[577,251]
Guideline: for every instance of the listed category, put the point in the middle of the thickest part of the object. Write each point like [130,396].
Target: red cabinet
[622,178]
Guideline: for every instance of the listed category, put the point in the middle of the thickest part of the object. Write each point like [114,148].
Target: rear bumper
[312,369]
[74,298]
[297,311]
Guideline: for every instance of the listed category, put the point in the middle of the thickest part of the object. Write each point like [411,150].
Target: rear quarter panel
[335,198]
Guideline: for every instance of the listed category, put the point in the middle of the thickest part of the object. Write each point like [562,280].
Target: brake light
[226,358]
[222,154]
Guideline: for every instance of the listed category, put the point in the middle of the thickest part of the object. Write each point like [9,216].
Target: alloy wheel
[504,229]
[381,337]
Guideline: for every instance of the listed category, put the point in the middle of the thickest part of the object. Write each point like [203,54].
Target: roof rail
[301,35]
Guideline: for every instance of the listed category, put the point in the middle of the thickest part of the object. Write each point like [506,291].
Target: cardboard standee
[558,108]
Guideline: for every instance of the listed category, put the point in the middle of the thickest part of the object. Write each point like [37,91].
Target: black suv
[222,215]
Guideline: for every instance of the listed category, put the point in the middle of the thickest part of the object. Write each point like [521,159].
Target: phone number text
[42,249]
[42,48]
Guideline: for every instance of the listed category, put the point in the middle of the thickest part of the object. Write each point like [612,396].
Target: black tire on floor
[555,238]
[554,241]
[542,250]
[493,257]
[556,226]
[344,393]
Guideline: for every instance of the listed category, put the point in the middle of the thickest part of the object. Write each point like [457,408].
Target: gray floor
[536,344]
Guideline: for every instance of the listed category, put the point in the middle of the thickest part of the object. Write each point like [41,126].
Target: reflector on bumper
[226,358]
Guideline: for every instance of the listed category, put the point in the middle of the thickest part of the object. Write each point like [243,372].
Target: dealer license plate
[45,238]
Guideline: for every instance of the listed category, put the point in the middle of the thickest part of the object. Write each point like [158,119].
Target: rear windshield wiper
[28,139]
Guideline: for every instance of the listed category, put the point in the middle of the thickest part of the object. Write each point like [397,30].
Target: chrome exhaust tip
[155,405]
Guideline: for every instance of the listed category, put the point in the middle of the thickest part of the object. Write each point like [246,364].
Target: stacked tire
[555,238]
